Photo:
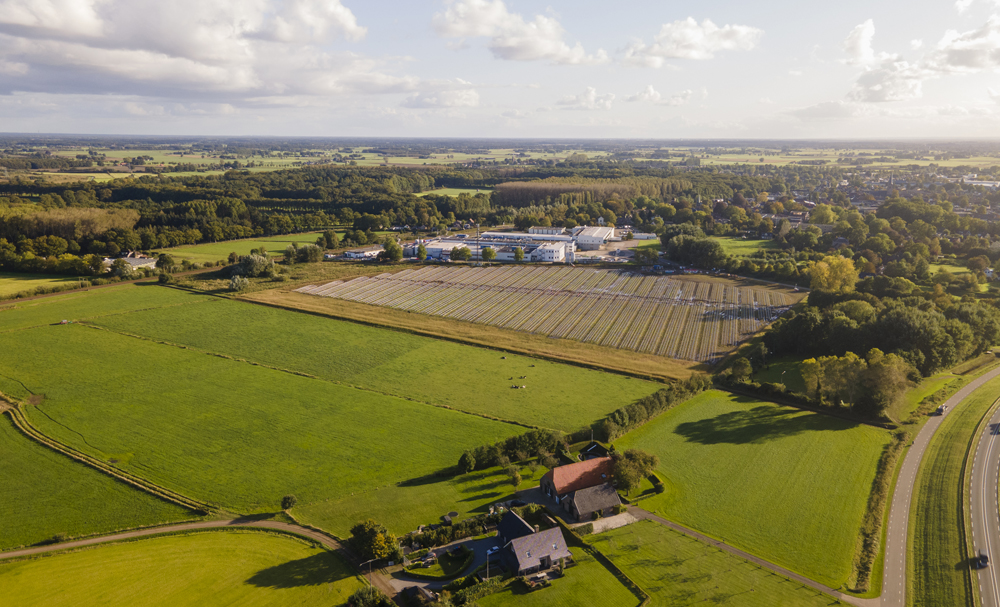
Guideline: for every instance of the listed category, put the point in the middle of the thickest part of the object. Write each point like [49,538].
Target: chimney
[536,528]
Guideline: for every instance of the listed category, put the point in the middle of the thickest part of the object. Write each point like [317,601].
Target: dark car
[982,561]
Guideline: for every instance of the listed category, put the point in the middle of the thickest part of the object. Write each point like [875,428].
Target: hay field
[699,321]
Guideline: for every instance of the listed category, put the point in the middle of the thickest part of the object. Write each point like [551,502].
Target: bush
[253,266]
[309,253]
[288,502]
[238,283]
[165,279]
[369,596]
[585,529]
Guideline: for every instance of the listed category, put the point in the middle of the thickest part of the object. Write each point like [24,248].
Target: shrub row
[871,527]
[778,393]
[515,448]
[483,589]
[632,416]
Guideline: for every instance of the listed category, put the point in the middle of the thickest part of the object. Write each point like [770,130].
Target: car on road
[493,551]
[982,561]
[941,410]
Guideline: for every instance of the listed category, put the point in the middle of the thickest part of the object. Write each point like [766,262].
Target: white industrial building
[553,252]
[549,230]
[592,239]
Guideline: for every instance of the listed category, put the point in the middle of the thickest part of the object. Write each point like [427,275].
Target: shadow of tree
[757,425]
[323,568]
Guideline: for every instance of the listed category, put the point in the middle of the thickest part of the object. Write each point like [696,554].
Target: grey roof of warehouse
[596,498]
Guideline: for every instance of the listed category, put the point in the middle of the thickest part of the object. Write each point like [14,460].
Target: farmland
[698,321]
[678,570]
[404,507]
[46,493]
[224,431]
[11,283]
[390,362]
[206,568]
[214,251]
[799,480]
[745,246]
[456,192]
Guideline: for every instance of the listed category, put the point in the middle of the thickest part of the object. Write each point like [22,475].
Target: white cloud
[443,99]
[994,95]
[647,94]
[588,100]
[223,51]
[688,39]
[916,44]
[829,110]
[795,73]
[511,36]
[968,52]
[858,46]
[962,5]
[680,98]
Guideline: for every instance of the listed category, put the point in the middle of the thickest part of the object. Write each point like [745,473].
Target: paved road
[984,514]
[380,581]
[894,569]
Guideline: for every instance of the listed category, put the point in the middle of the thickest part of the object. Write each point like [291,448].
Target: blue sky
[502,68]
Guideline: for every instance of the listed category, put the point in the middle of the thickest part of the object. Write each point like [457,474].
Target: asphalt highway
[894,568]
[983,510]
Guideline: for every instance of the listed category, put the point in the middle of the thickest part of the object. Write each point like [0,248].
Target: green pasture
[744,246]
[675,569]
[788,485]
[951,268]
[46,493]
[404,507]
[586,583]
[456,191]
[782,369]
[224,431]
[92,303]
[938,561]
[467,378]
[214,251]
[13,282]
[926,387]
[208,568]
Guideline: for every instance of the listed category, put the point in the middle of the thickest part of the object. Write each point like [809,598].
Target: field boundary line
[305,375]
[22,423]
[967,501]
[469,342]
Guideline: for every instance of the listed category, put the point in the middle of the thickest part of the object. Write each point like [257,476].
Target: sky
[502,68]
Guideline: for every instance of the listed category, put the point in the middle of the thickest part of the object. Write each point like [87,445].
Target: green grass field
[46,493]
[413,367]
[402,508]
[586,583]
[938,562]
[787,485]
[224,431]
[745,246]
[953,269]
[90,304]
[214,251]
[926,387]
[677,570]
[782,369]
[11,283]
[207,568]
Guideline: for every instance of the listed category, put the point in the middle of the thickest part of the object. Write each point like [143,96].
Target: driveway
[399,580]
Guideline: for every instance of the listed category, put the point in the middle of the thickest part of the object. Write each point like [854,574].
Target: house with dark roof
[583,504]
[526,550]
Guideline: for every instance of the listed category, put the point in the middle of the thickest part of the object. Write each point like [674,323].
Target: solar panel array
[676,318]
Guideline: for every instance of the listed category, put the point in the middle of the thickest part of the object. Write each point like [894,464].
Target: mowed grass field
[206,568]
[11,282]
[465,378]
[745,246]
[224,431]
[586,583]
[92,303]
[675,569]
[938,560]
[46,493]
[402,508]
[214,251]
[787,485]
[456,191]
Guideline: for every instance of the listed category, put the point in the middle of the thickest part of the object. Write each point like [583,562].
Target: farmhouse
[526,549]
[583,488]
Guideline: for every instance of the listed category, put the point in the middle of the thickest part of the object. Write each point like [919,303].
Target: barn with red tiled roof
[561,481]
